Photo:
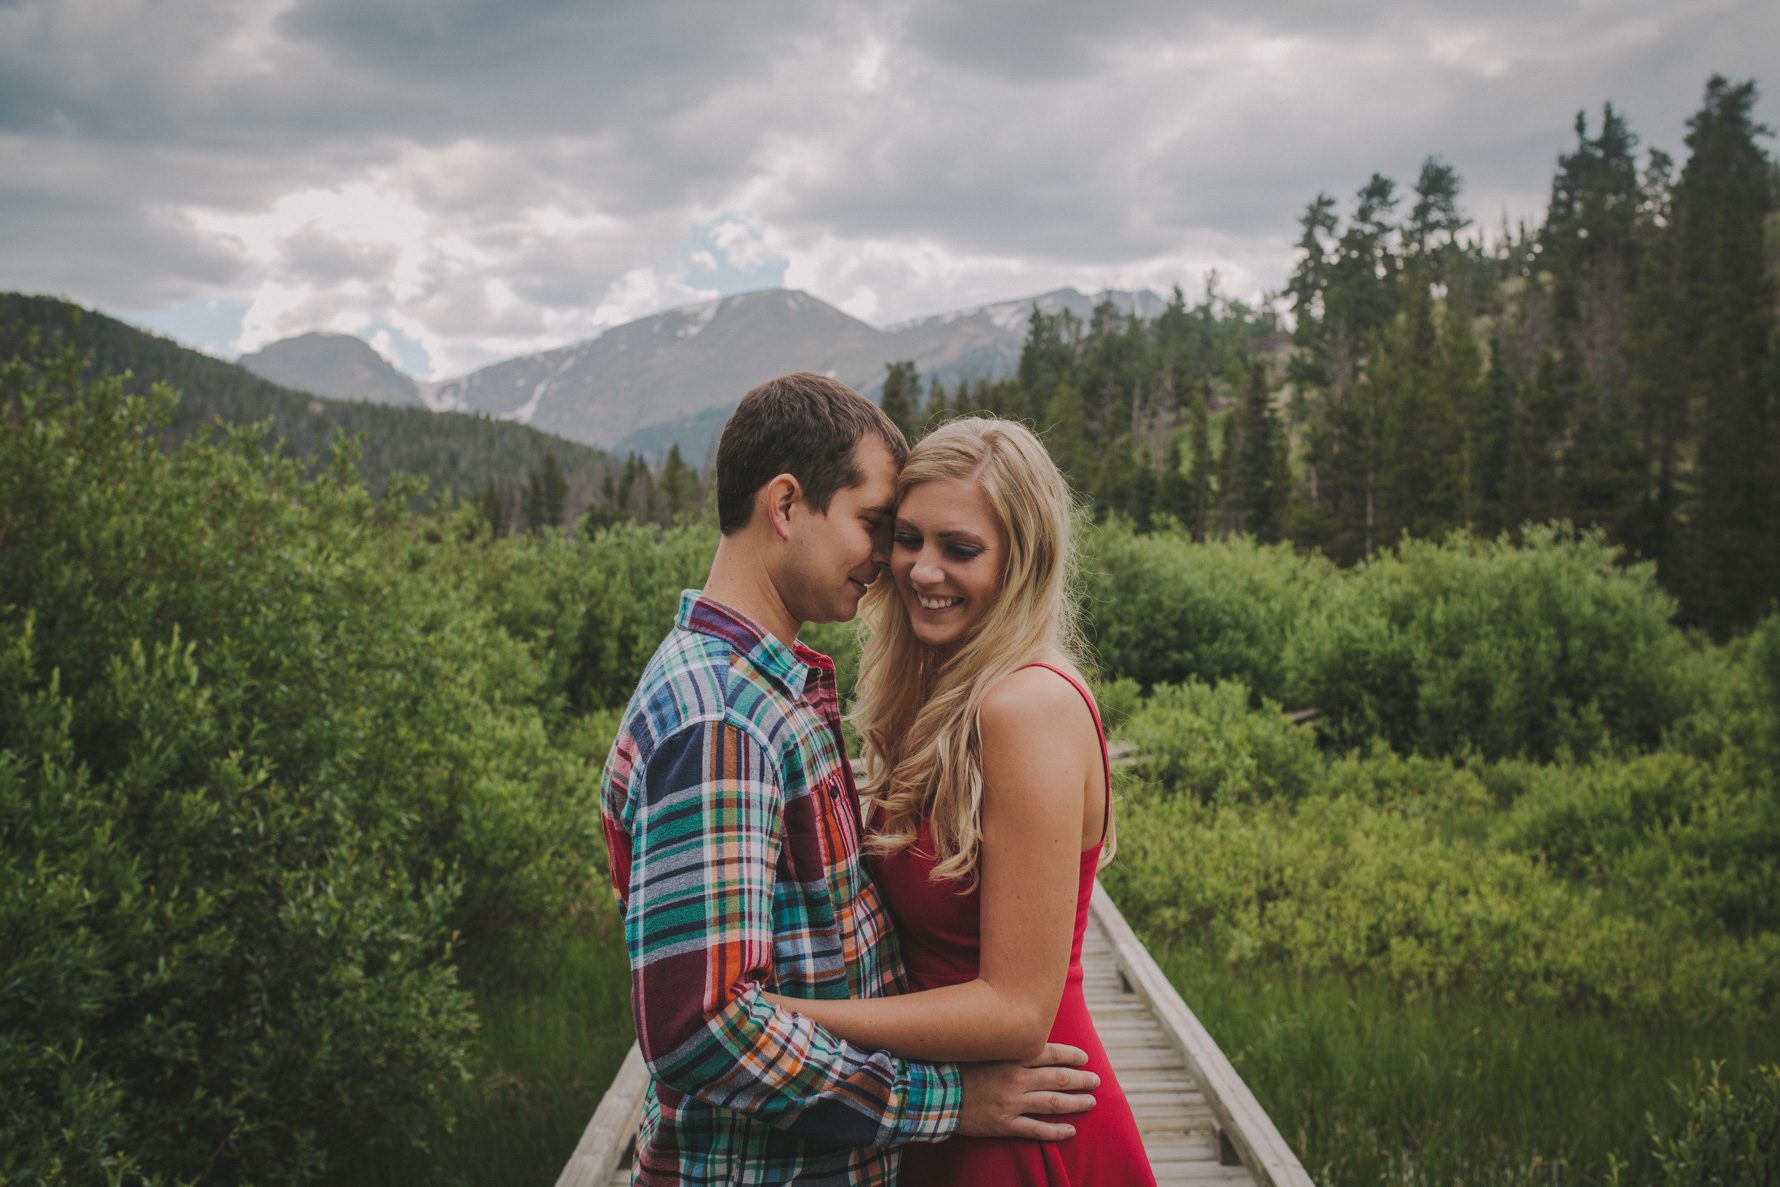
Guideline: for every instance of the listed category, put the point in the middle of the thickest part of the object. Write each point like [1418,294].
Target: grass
[555,1026]
[1369,1087]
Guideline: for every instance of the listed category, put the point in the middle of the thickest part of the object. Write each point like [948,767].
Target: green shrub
[591,609]
[1695,836]
[260,767]
[1739,723]
[1358,883]
[1581,819]
[1472,646]
[1206,742]
[1117,699]
[1729,1134]
[1162,609]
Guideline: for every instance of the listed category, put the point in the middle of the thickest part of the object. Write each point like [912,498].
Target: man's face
[836,554]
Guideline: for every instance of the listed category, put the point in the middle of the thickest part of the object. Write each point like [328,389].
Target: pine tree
[1255,463]
[1361,294]
[1434,219]
[1656,383]
[1530,494]
[492,505]
[1487,430]
[902,396]
[1142,493]
[553,491]
[1199,472]
[937,411]
[1727,328]
[534,506]
[1311,365]
[1066,436]
[679,487]
[1047,361]
[1172,337]
[1174,494]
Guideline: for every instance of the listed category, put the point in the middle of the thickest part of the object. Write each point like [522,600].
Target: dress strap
[1099,731]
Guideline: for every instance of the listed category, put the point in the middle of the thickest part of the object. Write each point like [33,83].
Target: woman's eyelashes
[955,550]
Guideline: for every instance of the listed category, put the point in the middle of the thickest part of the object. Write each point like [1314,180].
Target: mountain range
[673,378]
[461,456]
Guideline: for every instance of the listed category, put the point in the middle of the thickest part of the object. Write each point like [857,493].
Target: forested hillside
[1614,367]
[520,477]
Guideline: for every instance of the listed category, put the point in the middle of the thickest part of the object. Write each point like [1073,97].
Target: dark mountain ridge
[461,455]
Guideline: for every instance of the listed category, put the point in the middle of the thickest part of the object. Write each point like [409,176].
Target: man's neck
[741,582]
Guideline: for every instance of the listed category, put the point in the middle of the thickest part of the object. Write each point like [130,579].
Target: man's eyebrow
[884,511]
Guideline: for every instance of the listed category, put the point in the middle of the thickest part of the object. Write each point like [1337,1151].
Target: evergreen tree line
[518,478]
[1614,367]
[514,473]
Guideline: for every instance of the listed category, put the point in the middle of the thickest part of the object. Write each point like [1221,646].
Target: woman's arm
[1035,734]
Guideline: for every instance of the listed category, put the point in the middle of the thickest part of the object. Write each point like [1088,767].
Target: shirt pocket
[814,902]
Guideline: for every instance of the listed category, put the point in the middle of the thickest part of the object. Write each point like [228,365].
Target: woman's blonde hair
[917,709]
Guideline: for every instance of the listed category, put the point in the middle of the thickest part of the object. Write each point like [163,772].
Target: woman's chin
[933,634]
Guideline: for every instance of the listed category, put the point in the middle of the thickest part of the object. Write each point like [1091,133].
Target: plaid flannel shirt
[732,824]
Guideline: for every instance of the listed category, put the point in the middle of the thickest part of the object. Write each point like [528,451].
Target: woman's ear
[782,495]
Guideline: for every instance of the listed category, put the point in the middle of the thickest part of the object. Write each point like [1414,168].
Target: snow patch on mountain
[1011,316]
[524,413]
[696,318]
[440,395]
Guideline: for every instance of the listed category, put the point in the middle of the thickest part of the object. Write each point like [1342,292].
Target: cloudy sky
[463,180]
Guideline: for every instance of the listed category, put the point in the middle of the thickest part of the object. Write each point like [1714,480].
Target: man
[733,830]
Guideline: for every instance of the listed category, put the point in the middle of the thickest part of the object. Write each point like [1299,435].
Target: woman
[987,794]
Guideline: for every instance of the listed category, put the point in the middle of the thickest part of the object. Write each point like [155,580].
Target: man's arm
[706,827]
[1035,774]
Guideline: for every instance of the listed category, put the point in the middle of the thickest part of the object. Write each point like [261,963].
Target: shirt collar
[789,666]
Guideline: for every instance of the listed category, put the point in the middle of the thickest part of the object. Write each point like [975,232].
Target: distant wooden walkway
[1200,1123]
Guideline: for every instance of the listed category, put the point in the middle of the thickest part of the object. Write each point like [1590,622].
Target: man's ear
[782,496]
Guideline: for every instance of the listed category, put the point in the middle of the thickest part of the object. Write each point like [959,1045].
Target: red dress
[938,927]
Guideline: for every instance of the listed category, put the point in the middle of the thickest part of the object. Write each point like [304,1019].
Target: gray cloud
[545,152]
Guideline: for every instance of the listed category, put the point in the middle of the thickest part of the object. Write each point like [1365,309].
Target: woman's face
[946,557]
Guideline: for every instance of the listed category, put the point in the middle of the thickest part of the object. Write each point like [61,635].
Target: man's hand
[999,1096]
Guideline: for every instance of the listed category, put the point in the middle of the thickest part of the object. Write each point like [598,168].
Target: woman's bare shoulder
[1031,698]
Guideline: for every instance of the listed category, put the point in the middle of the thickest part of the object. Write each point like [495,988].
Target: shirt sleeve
[707,826]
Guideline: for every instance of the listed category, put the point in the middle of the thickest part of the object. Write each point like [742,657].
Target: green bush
[1739,722]
[260,768]
[1668,827]
[1729,1134]
[1162,609]
[1117,699]
[1206,742]
[1361,883]
[591,609]
[1470,646]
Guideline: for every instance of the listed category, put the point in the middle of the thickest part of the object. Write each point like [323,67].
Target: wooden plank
[606,1140]
[1263,1151]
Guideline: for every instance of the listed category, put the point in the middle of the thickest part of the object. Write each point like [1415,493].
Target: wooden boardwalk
[1200,1123]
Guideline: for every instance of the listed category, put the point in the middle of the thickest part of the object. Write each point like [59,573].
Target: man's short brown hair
[804,425]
